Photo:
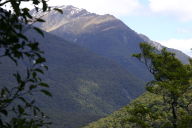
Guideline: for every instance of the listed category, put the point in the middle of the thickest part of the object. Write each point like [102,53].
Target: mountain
[92,74]
[183,57]
[104,35]
[85,86]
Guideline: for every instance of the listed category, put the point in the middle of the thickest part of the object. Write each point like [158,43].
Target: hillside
[104,35]
[91,70]
[119,118]
[84,85]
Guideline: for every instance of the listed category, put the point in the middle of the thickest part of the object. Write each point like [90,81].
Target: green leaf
[46,92]
[20,109]
[4,112]
[22,36]
[39,70]
[44,85]
[22,99]
[18,77]
[40,20]
[33,46]
[15,6]
[36,2]
[32,87]
[39,31]
[58,10]
[44,5]
[40,60]
[26,13]
[46,67]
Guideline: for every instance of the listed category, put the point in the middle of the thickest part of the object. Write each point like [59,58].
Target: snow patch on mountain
[68,10]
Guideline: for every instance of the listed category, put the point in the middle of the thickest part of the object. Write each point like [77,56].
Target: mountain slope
[84,85]
[103,34]
[118,119]
[183,57]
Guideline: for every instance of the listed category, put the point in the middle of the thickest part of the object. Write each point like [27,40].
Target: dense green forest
[86,84]
[119,119]
[167,102]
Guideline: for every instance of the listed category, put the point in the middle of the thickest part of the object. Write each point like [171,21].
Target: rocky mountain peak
[72,11]
[74,19]
[104,34]
[68,10]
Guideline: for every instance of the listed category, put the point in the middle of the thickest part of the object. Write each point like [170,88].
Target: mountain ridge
[74,12]
[97,82]
[110,38]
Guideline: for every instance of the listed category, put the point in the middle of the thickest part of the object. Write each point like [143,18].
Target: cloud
[180,44]
[184,30]
[178,8]
[115,7]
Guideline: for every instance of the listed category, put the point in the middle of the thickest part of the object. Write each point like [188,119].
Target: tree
[171,90]
[17,104]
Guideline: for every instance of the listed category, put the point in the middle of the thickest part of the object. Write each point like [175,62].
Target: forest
[88,85]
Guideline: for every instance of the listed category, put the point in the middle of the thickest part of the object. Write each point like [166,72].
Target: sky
[168,22]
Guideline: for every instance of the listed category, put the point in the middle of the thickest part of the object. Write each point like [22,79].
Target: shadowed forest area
[65,67]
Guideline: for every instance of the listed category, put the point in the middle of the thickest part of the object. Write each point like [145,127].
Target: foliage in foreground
[17,104]
[167,103]
[119,119]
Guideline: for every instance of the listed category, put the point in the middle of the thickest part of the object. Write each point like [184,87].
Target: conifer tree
[172,85]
